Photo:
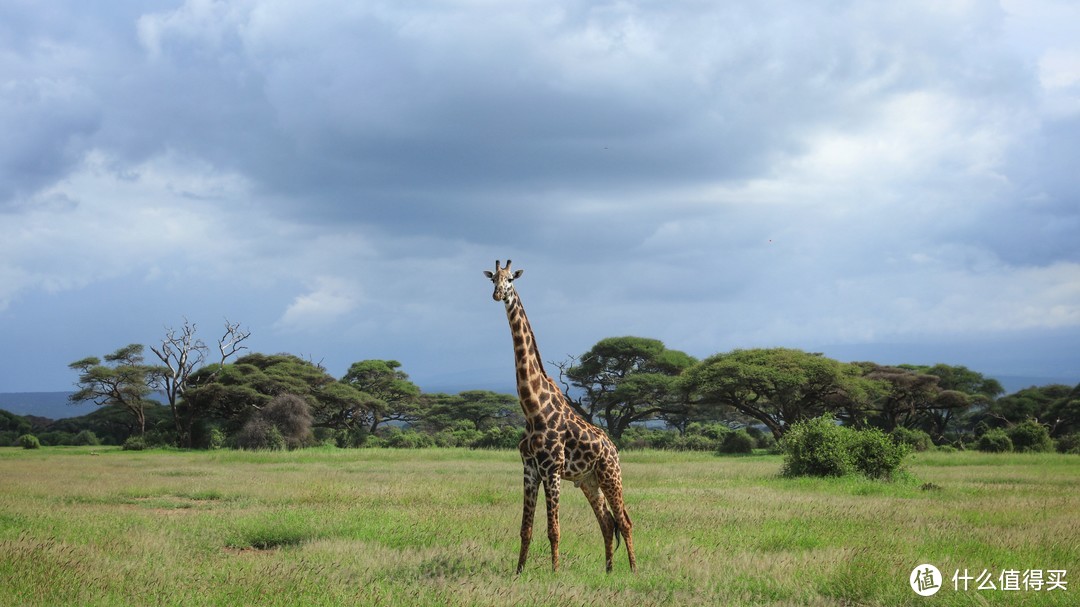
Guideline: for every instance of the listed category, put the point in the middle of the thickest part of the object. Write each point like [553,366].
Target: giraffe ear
[488,274]
[518,274]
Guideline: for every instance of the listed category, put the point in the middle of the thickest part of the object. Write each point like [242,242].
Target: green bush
[1070,443]
[409,439]
[86,437]
[216,438]
[821,447]
[817,447]
[1030,436]
[737,442]
[875,454]
[660,439]
[916,439]
[695,442]
[506,437]
[995,441]
[29,441]
[134,443]
[763,438]
[714,432]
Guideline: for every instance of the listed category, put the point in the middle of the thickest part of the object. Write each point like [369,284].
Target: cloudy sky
[894,182]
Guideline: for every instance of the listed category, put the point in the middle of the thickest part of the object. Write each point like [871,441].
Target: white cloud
[328,300]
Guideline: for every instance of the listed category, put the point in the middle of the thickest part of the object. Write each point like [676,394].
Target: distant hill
[53,405]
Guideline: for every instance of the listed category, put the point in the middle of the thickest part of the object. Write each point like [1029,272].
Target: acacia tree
[961,390]
[122,380]
[911,397]
[394,397]
[233,392]
[622,380]
[481,408]
[778,386]
[1057,406]
[182,352]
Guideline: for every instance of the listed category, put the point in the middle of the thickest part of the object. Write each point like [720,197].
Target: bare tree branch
[229,344]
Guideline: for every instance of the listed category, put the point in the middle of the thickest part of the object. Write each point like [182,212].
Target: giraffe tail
[618,530]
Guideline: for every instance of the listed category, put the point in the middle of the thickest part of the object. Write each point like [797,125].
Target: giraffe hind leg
[611,485]
[608,528]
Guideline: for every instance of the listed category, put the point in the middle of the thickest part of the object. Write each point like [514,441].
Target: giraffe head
[501,278]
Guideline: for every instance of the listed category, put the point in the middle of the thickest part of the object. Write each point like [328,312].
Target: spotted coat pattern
[558,443]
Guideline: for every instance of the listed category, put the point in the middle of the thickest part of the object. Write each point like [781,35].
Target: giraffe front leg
[552,483]
[528,510]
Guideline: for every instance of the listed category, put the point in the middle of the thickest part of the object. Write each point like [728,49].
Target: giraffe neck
[531,378]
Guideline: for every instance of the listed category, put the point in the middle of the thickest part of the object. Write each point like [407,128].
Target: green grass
[99,526]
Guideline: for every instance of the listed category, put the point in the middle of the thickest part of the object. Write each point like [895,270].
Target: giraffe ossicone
[559,444]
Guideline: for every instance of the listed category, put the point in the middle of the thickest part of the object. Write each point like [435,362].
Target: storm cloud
[870,181]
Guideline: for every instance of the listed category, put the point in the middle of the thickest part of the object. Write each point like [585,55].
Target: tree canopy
[392,396]
[779,386]
[122,380]
[622,380]
[232,392]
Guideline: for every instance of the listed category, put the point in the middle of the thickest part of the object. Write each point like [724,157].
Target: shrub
[134,443]
[216,438]
[820,447]
[259,434]
[763,438]
[875,454]
[995,441]
[29,441]
[737,442]
[506,437]
[291,416]
[714,432]
[353,437]
[86,437]
[916,439]
[409,439]
[1030,436]
[284,423]
[1070,443]
[695,442]
[817,447]
[661,439]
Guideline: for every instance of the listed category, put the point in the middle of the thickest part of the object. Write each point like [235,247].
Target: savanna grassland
[82,526]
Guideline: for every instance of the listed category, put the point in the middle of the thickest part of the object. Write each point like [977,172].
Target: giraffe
[559,444]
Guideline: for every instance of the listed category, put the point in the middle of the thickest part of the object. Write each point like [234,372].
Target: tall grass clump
[822,447]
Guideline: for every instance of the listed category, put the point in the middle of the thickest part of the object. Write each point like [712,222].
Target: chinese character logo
[925,580]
